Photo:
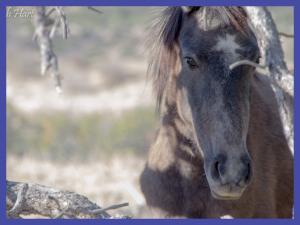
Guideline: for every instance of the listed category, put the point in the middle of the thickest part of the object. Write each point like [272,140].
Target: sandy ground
[105,182]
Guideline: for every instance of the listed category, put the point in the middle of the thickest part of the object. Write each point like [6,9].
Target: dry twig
[286,35]
[94,9]
[99,211]
[63,21]
[246,62]
[45,28]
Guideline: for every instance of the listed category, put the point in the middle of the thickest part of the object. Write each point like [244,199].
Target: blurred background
[92,139]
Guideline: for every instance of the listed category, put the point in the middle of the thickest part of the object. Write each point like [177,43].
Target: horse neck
[183,140]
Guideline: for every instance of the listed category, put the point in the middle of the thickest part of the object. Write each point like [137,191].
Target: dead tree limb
[45,28]
[28,199]
[273,59]
[63,21]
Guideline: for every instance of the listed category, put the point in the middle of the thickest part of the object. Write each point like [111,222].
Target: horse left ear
[189,9]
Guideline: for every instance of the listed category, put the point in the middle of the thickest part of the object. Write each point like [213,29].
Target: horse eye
[191,62]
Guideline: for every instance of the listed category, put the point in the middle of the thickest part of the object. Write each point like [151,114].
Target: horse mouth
[227,196]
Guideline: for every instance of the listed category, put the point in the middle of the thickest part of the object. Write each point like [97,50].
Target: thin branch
[17,208]
[99,211]
[246,62]
[286,35]
[50,12]
[63,21]
[94,9]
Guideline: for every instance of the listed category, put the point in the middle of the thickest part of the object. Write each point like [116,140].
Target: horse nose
[234,171]
[246,170]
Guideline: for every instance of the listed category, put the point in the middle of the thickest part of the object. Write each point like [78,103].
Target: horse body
[183,175]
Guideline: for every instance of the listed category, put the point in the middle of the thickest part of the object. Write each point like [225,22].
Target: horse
[220,148]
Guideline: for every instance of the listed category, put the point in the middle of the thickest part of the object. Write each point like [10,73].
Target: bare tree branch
[286,35]
[28,199]
[50,12]
[45,28]
[99,211]
[246,62]
[272,56]
[94,9]
[63,21]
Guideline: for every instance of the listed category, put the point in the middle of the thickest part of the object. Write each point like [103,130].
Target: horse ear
[190,9]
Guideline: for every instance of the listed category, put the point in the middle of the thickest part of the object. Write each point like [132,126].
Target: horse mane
[163,40]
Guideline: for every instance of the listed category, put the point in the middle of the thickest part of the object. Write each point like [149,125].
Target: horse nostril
[248,173]
[218,169]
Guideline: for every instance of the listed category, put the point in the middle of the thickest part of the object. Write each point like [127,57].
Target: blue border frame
[4,3]
[148,2]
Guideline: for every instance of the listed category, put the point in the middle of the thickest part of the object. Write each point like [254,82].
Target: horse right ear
[189,9]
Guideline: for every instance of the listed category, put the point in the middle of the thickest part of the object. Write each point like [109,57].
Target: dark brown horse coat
[174,181]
